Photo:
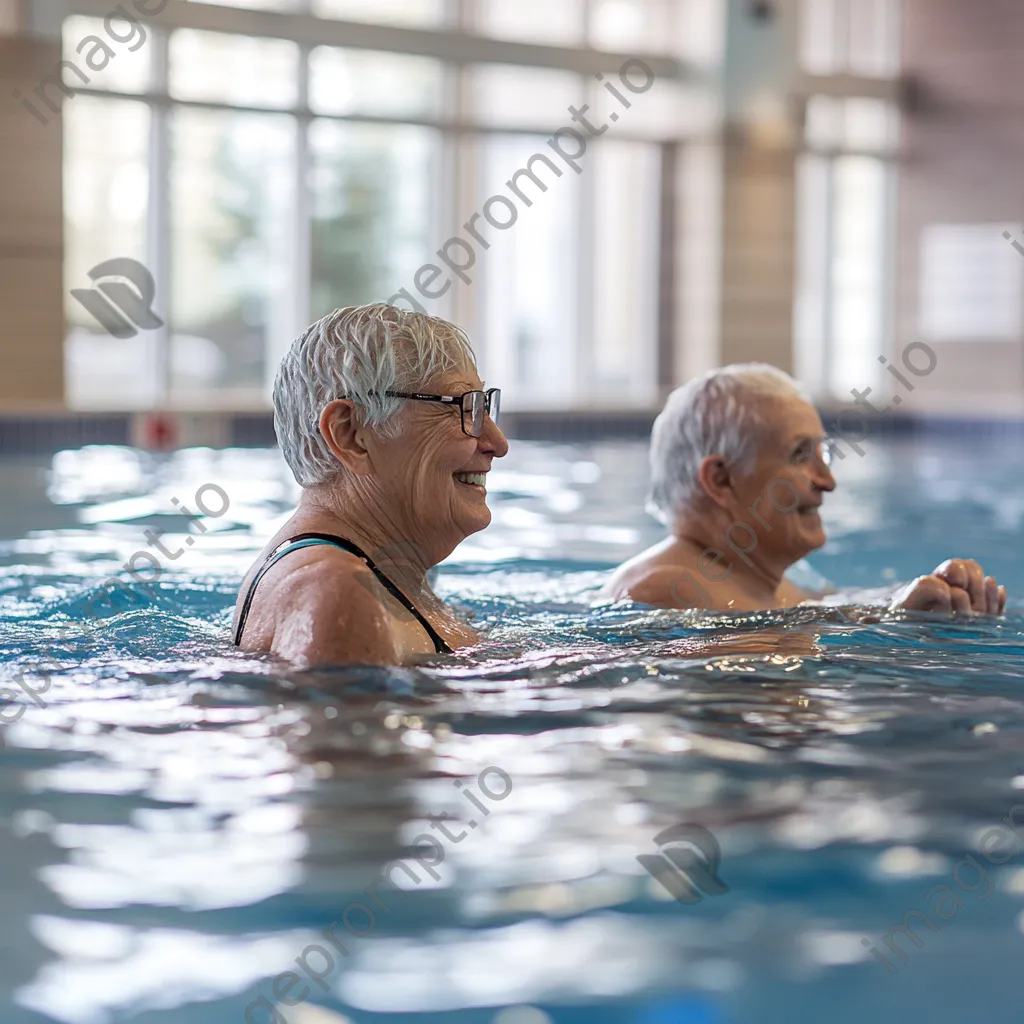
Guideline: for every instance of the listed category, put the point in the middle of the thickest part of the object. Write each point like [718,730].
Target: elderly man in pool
[384,422]
[739,468]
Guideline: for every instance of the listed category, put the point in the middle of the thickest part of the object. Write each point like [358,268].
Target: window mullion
[158,248]
[301,277]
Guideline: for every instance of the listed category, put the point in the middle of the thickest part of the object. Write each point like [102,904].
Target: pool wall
[28,434]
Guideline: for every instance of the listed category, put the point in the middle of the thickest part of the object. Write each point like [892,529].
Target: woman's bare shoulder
[318,605]
[330,614]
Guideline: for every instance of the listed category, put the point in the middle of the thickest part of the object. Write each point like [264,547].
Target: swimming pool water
[180,822]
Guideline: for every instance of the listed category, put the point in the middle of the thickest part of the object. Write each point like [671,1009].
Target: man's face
[780,500]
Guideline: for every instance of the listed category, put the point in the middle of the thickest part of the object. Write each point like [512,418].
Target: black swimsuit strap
[286,547]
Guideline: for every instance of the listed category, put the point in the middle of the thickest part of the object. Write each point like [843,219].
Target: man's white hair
[358,353]
[724,413]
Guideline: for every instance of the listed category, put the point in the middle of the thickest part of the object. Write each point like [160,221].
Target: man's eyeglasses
[474,406]
[820,448]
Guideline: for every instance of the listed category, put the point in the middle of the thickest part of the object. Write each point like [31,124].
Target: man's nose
[823,480]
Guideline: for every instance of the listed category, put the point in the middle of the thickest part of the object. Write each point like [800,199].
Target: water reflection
[183,821]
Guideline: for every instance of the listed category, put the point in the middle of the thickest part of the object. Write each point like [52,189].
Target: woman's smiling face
[432,474]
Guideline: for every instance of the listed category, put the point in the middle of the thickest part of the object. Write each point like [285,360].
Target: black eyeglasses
[476,403]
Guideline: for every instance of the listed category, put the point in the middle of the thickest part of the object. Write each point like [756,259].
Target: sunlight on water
[182,822]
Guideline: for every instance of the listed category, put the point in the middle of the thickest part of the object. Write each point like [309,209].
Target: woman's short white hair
[722,413]
[358,353]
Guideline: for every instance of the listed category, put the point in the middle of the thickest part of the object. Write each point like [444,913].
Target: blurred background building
[814,183]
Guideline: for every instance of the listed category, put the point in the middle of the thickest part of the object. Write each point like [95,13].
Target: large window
[232,210]
[264,182]
[106,213]
[371,189]
[858,37]
[621,368]
[265,179]
[529,278]
[844,264]
[413,13]
[560,24]
[846,199]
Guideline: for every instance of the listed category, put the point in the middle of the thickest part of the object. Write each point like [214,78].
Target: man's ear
[716,480]
[344,435]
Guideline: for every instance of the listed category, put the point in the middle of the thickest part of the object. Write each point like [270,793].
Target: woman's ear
[716,480]
[344,435]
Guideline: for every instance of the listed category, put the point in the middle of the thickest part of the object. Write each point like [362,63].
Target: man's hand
[958,585]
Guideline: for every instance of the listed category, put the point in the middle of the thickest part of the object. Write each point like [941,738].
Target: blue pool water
[179,823]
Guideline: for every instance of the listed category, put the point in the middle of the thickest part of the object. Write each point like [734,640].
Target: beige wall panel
[31,313]
[963,154]
[758,259]
[32,326]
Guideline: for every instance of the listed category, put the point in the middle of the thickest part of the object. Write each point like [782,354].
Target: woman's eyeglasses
[474,406]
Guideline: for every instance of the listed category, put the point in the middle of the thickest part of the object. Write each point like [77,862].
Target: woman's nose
[492,441]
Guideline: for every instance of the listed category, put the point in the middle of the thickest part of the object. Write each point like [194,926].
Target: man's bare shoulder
[789,594]
[630,573]
[662,577]
[670,586]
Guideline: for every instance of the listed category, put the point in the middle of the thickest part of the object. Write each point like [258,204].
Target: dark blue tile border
[47,434]
[21,435]
[578,426]
[252,430]
[948,427]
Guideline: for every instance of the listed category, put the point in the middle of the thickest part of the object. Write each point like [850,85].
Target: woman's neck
[359,518]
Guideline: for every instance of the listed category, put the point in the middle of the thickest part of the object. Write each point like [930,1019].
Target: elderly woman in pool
[384,422]
[739,470]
